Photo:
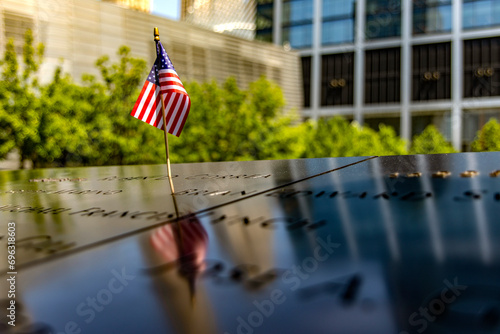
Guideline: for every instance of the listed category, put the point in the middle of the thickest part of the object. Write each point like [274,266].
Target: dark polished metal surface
[404,244]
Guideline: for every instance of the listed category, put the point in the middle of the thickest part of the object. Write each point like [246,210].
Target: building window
[383,18]
[306,80]
[337,84]
[338,21]
[482,67]
[297,23]
[264,21]
[430,16]
[298,37]
[431,72]
[382,75]
[481,13]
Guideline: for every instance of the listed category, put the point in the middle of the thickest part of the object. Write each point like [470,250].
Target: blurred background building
[236,17]
[400,62]
[77,32]
[142,5]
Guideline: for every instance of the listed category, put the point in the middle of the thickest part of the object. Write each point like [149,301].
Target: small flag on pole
[163,81]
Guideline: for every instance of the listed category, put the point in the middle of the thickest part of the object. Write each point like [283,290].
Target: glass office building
[400,62]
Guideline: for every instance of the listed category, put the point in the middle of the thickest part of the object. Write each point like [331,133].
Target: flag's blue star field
[163,60]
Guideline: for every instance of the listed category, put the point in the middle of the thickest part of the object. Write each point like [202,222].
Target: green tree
[390,142]
[227,123]
[336,137]
[65,124]
[430,141]
[62,128]
[332,137]
[120,138]
[90,124]
[18,99]
[271,133]
[488,138]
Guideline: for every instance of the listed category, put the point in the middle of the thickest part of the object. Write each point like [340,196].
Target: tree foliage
[227,123]
[336,137]
[430,141]
[19,120]
[488,138]
[65,124]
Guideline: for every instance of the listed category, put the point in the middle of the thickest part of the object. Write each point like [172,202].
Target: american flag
[163,82]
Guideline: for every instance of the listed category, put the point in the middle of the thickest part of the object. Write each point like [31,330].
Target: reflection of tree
[428,16]
[181,248]
[434,19]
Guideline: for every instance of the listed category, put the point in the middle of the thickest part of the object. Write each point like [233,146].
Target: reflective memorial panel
[402,244]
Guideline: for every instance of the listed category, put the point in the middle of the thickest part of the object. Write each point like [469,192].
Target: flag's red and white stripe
[175,98]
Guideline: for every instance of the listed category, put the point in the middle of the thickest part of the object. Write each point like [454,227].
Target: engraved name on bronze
[204,176]
[64,179]
[32,209]
[44,243]
[407,196]
[64,191]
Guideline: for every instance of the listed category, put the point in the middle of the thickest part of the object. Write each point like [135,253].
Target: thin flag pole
[164,116]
